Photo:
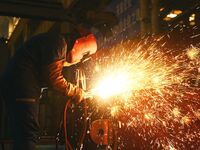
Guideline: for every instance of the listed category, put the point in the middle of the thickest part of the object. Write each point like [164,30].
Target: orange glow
[172,14]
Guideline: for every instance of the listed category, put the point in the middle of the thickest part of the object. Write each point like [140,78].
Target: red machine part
[101,132]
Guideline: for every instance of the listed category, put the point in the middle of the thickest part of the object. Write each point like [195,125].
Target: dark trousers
[24,123]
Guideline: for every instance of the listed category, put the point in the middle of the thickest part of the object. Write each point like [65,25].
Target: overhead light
[192,19]
[162,8]
[172,14]
[178,12]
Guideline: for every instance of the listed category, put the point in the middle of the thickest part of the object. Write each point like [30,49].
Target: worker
[38,63]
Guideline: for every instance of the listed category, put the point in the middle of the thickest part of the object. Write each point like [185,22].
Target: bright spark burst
[138,70]
[114,110]
[192,53]
[113,84]
[153,93]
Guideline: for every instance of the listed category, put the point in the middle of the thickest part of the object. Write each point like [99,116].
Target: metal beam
[34,11]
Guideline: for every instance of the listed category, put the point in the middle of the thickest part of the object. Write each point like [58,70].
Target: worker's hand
[79,95]
[88,95]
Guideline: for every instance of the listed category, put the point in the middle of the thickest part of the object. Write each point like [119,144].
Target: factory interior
[141,83]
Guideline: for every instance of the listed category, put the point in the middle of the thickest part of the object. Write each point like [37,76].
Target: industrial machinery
[87,126]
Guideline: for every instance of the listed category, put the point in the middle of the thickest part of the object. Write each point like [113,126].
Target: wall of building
[128,27]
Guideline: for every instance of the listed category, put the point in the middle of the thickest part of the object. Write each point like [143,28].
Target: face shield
[83,46]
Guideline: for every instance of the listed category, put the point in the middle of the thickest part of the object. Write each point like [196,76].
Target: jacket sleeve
[59,83]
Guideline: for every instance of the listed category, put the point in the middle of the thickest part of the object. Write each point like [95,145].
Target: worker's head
[79,44]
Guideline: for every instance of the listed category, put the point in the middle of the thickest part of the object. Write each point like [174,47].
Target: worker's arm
[53,59]
[57,56]
[59,83]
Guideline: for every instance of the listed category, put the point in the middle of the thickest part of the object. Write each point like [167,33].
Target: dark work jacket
[24,75]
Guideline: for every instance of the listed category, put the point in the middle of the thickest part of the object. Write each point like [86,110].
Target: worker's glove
[89,95]
[79,95]
[75,93]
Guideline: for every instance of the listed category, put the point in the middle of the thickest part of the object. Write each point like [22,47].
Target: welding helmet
[79,45]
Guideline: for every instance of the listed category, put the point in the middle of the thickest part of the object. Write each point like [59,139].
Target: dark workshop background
[111,20]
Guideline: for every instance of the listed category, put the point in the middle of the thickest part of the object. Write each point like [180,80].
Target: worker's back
[24,75]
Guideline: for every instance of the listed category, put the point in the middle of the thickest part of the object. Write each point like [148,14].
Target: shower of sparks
[114,84]
[141,69]
[192,53]
[114,110]
[152,93]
